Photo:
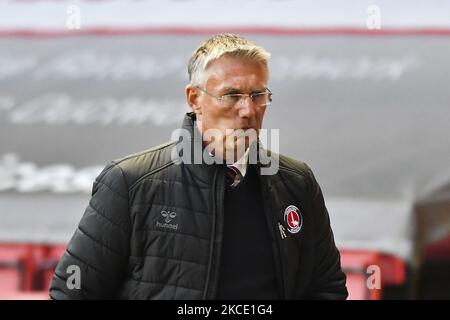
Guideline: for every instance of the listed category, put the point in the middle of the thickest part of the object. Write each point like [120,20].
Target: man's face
[230,75]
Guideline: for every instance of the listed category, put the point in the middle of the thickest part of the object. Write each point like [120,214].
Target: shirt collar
[242,163]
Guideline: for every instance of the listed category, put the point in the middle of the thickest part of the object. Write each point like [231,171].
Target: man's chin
[237,151]
[235,144]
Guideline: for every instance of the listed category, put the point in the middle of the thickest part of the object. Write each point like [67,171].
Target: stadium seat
[47,267]
[355,265]
[24,295]
[356,286]
[393,270]
[16,267]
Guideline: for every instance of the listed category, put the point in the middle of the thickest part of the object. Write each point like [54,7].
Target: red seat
[355,265]
[10,279]
[54,253]
[357,288]
[393,270]
[16,267]
[24,295]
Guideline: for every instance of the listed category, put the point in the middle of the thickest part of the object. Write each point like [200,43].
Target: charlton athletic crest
[293,219]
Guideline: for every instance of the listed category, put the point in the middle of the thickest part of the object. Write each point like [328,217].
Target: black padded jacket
[153,230]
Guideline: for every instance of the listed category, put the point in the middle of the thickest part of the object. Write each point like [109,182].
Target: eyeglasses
[260,99]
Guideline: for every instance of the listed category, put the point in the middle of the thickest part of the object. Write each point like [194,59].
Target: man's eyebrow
[232,90]
[228,90]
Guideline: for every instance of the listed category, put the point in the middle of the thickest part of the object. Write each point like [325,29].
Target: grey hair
[218,45]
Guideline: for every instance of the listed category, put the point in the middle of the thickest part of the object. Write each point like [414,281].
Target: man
[167,224]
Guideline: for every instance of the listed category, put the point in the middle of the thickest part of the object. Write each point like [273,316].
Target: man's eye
[232,97]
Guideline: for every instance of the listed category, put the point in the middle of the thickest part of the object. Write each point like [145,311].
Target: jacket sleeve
[94,263]
[328,279]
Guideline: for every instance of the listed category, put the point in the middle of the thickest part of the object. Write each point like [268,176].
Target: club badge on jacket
[293,219]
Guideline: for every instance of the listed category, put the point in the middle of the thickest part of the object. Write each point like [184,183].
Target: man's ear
[192,98]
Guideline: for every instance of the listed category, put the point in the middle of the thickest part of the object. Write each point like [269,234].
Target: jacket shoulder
[293,166]
[137,165]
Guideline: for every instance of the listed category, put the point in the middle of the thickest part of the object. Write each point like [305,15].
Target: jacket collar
[190,150]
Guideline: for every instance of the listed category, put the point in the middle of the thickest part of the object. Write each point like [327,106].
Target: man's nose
[247,108]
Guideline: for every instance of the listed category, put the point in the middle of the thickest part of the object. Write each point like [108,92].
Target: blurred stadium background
[361,93]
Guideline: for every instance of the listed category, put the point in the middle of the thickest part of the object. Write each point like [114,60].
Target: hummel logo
[168,217]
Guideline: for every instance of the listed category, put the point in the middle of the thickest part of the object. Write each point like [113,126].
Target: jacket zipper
[279,235]
[213,235]
[282,231]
